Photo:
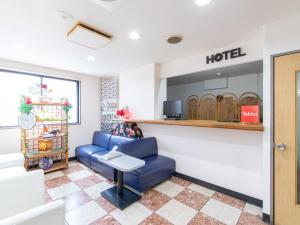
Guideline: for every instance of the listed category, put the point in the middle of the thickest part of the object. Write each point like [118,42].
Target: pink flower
[120,112]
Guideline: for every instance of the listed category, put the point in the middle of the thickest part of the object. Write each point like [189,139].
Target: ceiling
[229,71]
[32,22]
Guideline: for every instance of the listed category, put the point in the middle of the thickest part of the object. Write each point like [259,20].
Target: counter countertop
[205,123]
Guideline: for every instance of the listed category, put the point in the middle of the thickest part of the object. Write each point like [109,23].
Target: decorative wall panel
[109,103]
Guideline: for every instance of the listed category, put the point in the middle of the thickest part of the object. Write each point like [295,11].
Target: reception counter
[205,123]
[227,155]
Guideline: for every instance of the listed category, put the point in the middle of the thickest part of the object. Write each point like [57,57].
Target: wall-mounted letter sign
[226,55]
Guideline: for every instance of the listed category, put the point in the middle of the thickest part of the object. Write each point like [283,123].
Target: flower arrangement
[124,113]
[26,105]
[67,106]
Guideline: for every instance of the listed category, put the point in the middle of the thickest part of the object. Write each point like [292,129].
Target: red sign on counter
[250,114]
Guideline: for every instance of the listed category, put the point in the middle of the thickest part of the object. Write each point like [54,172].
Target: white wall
[236,85]
[138,91]
[90,108]
[227,158]
[161,97]
[196,63]
[279,37]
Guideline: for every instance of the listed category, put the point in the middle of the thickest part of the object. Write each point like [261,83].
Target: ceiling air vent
[87,36]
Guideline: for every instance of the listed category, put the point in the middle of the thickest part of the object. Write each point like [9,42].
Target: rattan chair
[192,107]
[207,109]
[228,108]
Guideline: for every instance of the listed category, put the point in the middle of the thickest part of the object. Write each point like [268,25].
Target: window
[14,84]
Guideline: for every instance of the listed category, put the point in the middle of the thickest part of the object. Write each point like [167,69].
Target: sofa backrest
[101,139]
[118,140]
[140,148]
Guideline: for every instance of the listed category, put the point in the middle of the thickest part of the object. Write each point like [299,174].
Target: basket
[45,145]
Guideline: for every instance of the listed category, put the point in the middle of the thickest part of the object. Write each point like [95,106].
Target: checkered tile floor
[175,201]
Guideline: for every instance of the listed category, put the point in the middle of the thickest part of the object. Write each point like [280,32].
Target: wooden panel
[204,123]
[287,212]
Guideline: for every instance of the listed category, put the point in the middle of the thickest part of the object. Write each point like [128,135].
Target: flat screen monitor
[172,108]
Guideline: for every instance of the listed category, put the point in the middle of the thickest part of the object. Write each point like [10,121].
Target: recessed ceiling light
[202,2]
[134,35]
[18,45]
[219,74]
[91,58]
[174,39]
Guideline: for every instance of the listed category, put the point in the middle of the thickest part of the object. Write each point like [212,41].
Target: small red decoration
[66,103]
[120,112]
[28,101]
[67,106]
[250,114]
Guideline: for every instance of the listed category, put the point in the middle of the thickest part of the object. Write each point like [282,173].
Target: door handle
[281,147]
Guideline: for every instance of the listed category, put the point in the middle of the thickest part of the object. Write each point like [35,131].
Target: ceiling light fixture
[202,2]
[91,58]
[134,35]
[174,39]
[219,74]
[18,45]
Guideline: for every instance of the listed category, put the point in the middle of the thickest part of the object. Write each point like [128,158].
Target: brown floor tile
[53,183]
[250,219]
[154,200]
[106,220]
[106,205]
[192,199]
[88,181]
[155,219]
[181,182]
[76,199]
[72,169]
[229,200]
[202,219]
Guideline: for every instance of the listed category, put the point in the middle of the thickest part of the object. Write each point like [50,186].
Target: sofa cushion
[117,140]
[84,153]
[140,148]
[101,139]
[155,165]
[102,168]
[157,169]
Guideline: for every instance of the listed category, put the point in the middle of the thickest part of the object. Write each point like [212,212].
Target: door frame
[272,130]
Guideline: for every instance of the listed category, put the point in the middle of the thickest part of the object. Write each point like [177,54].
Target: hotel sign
[226,55]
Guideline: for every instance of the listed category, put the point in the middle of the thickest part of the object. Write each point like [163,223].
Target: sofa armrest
[11,160]
[20,192]
[48,214]
[140,148]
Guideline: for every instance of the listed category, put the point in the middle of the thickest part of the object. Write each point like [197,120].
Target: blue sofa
[157,169]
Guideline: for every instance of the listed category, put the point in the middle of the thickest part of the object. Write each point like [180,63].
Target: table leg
[120,182]
[120,196]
